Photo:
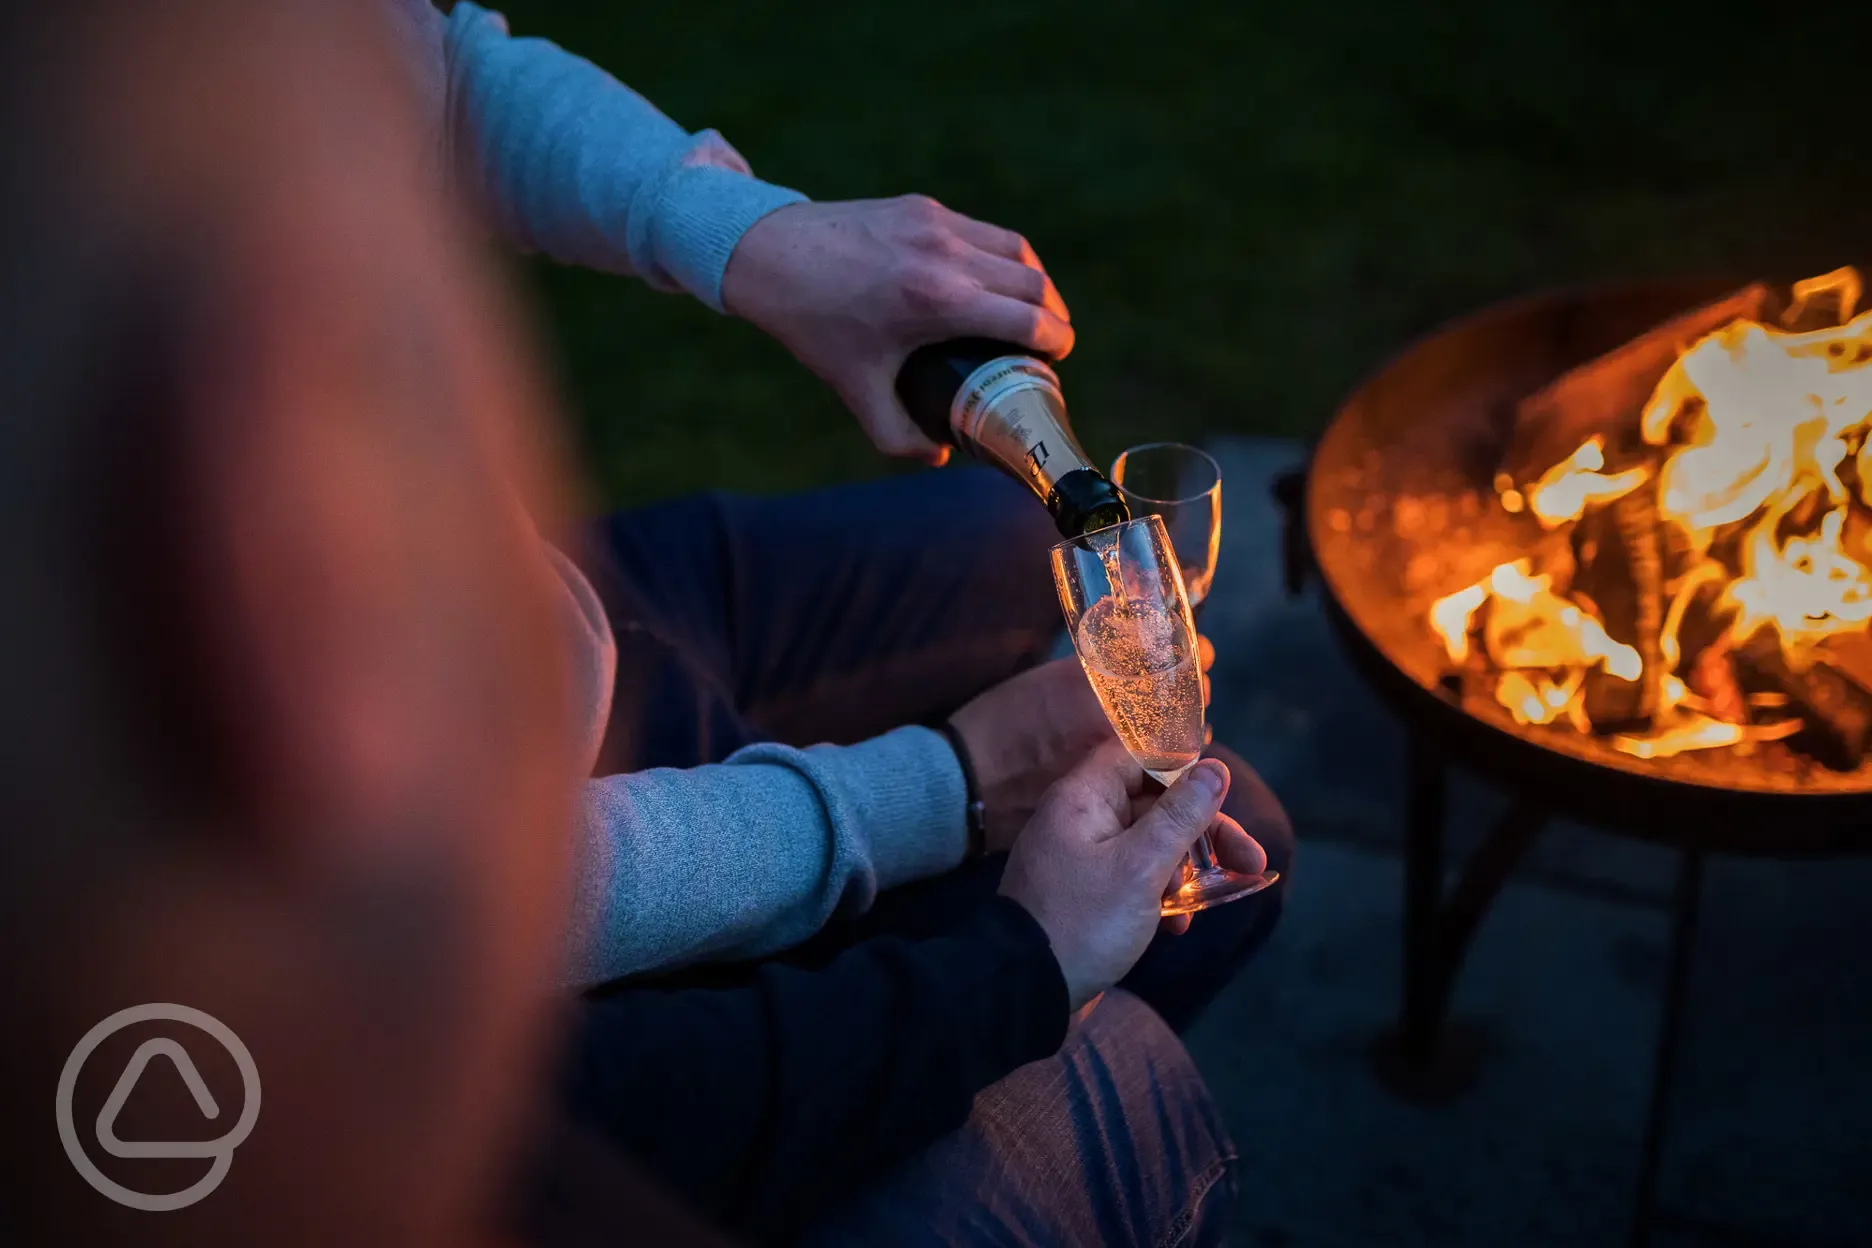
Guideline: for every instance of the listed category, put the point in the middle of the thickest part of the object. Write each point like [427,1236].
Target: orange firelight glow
[1756,451]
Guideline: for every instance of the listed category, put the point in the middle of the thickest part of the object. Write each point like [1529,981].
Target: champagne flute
[1122,591]
[1183,484]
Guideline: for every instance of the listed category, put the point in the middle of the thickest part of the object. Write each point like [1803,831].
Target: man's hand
[852,288]
[1024,734]
[1092,865]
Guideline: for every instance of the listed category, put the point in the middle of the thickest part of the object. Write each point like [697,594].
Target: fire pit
[1608,548]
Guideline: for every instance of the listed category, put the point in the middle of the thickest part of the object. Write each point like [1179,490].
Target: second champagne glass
[1122,591]
[1183,484]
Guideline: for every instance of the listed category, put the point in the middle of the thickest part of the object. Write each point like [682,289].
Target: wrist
[974,809]
[705,215]
[748,274]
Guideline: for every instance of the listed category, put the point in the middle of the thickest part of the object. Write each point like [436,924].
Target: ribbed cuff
[907,790]
[700,215]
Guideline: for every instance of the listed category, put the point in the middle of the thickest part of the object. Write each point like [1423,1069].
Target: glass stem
[1202,855]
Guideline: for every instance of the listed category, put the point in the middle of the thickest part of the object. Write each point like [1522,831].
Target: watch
[975,811]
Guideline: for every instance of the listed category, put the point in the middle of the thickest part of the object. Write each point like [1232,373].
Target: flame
[1450,617]
[1763,449]
[1565,490]
[1699,733]
[1544,643]
[1807,589]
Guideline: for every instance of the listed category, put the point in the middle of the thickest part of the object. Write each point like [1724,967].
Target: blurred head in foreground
[285,730]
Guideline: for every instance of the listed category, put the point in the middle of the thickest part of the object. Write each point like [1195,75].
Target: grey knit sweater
[565,160]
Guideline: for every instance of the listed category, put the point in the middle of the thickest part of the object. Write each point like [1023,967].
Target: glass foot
[1199,890]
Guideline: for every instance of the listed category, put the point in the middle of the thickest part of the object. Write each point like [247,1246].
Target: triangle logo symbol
[126,1083]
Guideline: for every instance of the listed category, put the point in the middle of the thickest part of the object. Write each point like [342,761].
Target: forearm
[771,1104]
[755,854]
[568,161]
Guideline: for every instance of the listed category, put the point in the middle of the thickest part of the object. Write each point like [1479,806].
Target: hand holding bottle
[851,288]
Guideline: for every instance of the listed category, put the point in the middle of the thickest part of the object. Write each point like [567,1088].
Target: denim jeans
[837,615]
[1115,1141]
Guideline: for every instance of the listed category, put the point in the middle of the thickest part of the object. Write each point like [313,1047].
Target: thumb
[1182,814]
[888,425]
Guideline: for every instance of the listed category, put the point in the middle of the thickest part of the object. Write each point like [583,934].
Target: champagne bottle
[1002,404]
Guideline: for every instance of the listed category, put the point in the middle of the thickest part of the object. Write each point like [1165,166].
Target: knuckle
[936,240]
[921,208]
[1185,810]
[928,289]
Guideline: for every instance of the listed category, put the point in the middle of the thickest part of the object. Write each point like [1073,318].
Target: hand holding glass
[1122,591]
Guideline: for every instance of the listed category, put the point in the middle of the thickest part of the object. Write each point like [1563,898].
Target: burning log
[1849,654]
[1837,712]
[1606,394]
[1712,678]
[1620,569]
[1636,515]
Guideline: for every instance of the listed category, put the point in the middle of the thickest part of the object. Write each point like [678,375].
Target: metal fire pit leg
[1670,1042]
[1437,932]
[1421,1016]
[1489,868]
[1296,552]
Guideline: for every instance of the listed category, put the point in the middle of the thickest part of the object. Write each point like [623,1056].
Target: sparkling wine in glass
[1122,591]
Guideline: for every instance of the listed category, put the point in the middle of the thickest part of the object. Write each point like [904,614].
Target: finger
[1205,652]
[1141,804]
[1174,924]
[1234,848]
[1008,319]
[1109,773]
[1018,281]
[890,428]
[996,241]
[1205,688]
[1161,838]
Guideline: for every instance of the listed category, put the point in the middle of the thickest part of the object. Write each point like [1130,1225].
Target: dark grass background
[1246,205]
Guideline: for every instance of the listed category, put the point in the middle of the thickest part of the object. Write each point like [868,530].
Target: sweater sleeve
[753,855]
[771,1104]
[571,162]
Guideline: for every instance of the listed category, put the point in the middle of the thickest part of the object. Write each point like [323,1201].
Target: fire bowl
[1396,514]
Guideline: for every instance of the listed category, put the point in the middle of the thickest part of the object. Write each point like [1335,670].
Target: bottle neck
[1084,501]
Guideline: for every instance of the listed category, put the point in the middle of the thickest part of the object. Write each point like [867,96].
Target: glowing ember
[1746,522]
[1699,734]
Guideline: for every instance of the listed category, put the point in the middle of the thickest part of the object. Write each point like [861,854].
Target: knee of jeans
[1133,1038]
[1001,506]
[1170,1114]
[1253,805]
